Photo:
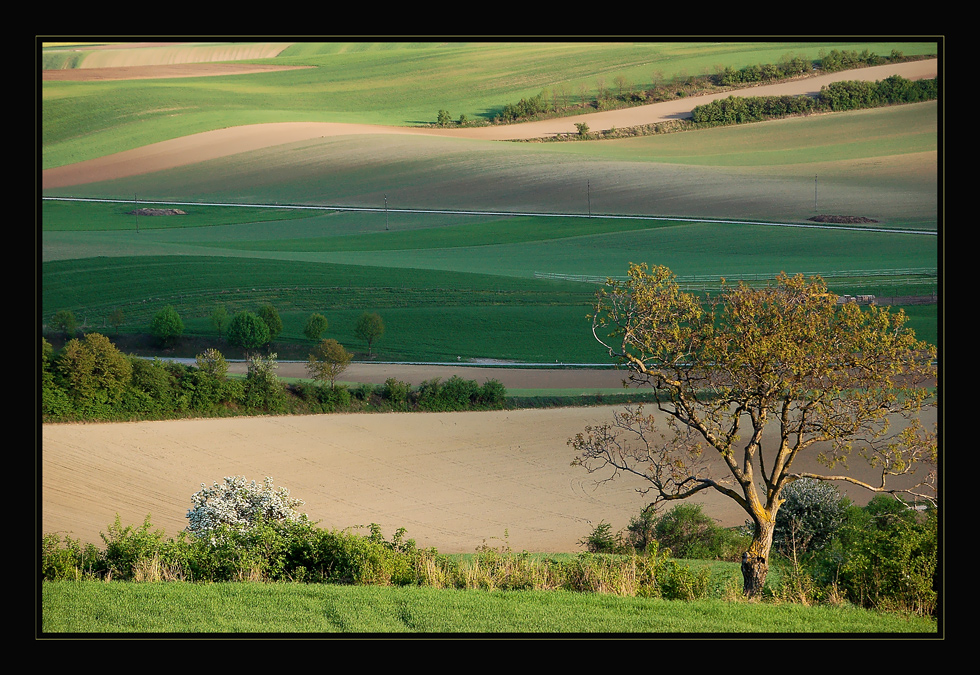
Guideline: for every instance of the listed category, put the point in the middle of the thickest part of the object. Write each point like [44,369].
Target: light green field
[375,83]
[450,285]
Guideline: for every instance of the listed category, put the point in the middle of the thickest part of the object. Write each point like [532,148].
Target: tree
[219,319]
[785,359]
[443,118]
[94,369]
[248,331]
[315,327]
[369,328]
[64,321]
[166,326]
[327,361]
[270,315]
[116,318]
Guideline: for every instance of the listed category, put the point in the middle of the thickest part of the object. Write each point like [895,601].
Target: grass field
[99,607]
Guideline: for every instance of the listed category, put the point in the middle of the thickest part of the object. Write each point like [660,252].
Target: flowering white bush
[240,504]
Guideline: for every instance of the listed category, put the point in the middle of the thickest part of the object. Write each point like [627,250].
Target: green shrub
[688,532]
[458,393]
[886,557]
[492,393]
[602,539]
[67,560]
[128,548]
[396,392]
[263,389]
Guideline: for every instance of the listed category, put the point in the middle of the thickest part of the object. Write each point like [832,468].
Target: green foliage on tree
[370,327]
[315,327]
[248,331]
[270,315]
[64,322]
[328,361]
[94,370]
[444,119]
[167,326]
[219,319]
[116,318]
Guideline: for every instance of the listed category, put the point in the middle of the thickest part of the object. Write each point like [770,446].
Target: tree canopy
[327,361]
[315,326]
[248,331]
[815,375]
[369,328]
[167,326]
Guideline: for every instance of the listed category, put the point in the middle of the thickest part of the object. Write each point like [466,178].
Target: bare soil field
[224,142]
[454,480]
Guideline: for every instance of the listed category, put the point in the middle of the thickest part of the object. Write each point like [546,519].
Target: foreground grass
[119,607]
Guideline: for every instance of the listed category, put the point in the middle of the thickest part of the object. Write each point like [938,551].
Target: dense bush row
[837,96]
[90,379]
[880,556]
[299,551]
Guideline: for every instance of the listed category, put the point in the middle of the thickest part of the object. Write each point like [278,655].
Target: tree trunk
[755,561]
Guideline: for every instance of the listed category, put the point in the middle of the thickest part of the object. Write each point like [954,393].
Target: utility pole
[386,213]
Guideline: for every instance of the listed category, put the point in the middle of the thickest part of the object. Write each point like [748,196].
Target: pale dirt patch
[224,142]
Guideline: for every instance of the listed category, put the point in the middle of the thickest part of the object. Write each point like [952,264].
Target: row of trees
[837,96]
[246,329]
[625,91]
[91,379]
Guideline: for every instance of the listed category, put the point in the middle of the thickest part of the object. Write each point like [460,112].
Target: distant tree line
[90,379]
[837,96]
[625,92]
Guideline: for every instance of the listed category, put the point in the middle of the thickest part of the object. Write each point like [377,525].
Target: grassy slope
[400,84]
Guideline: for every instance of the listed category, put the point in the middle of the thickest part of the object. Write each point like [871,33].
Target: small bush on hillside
[167,326]
[396,392]
[263,389]
[602,539]
[690,533]
[885,557]
[809,518]
[492,393]
[240,505]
